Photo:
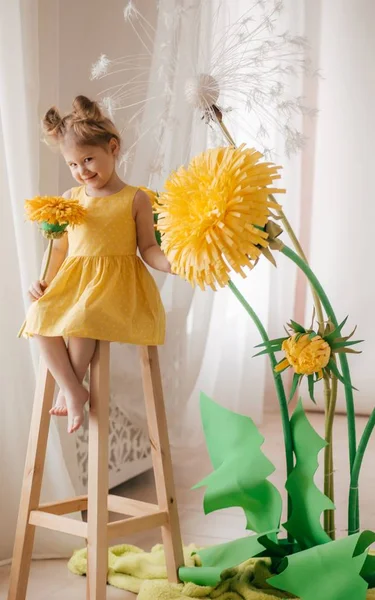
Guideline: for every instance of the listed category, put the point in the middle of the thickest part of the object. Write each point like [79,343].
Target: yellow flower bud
[307,356]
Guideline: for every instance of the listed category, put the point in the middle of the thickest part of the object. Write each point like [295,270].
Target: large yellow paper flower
[55,210]
[212,214]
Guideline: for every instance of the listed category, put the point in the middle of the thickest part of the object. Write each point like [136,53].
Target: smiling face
[93,166]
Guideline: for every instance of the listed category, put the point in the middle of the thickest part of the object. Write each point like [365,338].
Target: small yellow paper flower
[311,353]
[306,356]
[55,210]
[213,213]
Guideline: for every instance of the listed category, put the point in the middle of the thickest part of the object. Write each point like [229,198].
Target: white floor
[50,580]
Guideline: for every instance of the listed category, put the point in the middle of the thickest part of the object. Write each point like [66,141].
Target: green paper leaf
[218,558]
[327,572]
[277,342]
[274,549]
[311,382]
[204,576]
[333,367]
[54,227]
[308,502]
[336,332]
[345,344]
[297,327]
[347,351]
[241,469]
[296,379]
[157,232]
[268,350]
[368,571]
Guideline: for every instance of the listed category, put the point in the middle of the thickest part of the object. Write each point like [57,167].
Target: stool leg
[32,483]
[161,458]
[97,518]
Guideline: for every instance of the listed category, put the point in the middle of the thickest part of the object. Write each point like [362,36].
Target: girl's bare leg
[55,355]
[80,352]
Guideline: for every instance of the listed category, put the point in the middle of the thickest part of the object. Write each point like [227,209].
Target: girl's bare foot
[59,409]
[75,405]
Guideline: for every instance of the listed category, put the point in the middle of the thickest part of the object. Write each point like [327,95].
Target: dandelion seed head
[202,91]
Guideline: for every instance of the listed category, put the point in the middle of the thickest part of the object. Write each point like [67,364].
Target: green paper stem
[329,518]
[353,524]
[329,515]
[48,259]
[299,250]
[278,385]
[354,479]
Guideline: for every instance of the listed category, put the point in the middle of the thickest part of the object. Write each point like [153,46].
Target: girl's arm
[58,255]
[147,244]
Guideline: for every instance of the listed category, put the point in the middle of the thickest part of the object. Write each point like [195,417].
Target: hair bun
[84,108]
[52,121]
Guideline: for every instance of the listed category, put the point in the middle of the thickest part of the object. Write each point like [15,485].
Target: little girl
[96,287]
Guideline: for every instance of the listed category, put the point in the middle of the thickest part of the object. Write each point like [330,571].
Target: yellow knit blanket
[144,573]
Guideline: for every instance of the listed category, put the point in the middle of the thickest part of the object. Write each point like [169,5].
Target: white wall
[73,34]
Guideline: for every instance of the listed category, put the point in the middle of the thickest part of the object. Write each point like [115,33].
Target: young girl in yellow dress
[96,287]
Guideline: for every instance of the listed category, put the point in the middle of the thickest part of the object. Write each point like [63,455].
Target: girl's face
[92,166]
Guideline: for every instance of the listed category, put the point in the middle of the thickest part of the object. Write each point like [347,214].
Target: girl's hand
[37,289]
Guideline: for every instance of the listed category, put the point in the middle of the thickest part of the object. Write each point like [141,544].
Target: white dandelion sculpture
[242,74]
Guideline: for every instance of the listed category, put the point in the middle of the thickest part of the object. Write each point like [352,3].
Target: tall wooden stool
[97,531]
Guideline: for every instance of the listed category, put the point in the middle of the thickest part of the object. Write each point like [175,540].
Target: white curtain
[20,257]
[210,339]
[337,196]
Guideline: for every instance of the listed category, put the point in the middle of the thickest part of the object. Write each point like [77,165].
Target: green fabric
[144,573]
[129,566]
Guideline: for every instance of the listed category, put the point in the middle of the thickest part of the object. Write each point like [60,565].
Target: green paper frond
[271,342]
[296,327]
[347,351]
[296,380]
[333,368]
[336,332]
[311,382]
[268,351]
[345,344]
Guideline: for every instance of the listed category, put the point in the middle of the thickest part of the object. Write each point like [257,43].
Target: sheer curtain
[342,207]
[20,256]
[210,338]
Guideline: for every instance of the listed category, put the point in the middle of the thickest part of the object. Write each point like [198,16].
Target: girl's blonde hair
[86,122]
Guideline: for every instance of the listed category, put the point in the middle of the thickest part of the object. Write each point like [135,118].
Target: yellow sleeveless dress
[102,290]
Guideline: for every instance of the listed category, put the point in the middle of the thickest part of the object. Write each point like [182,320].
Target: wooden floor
[50,580]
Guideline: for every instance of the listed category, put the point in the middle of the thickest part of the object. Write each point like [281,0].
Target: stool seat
[97,532]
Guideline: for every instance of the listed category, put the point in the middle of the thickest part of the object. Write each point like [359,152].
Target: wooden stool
[97,531]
